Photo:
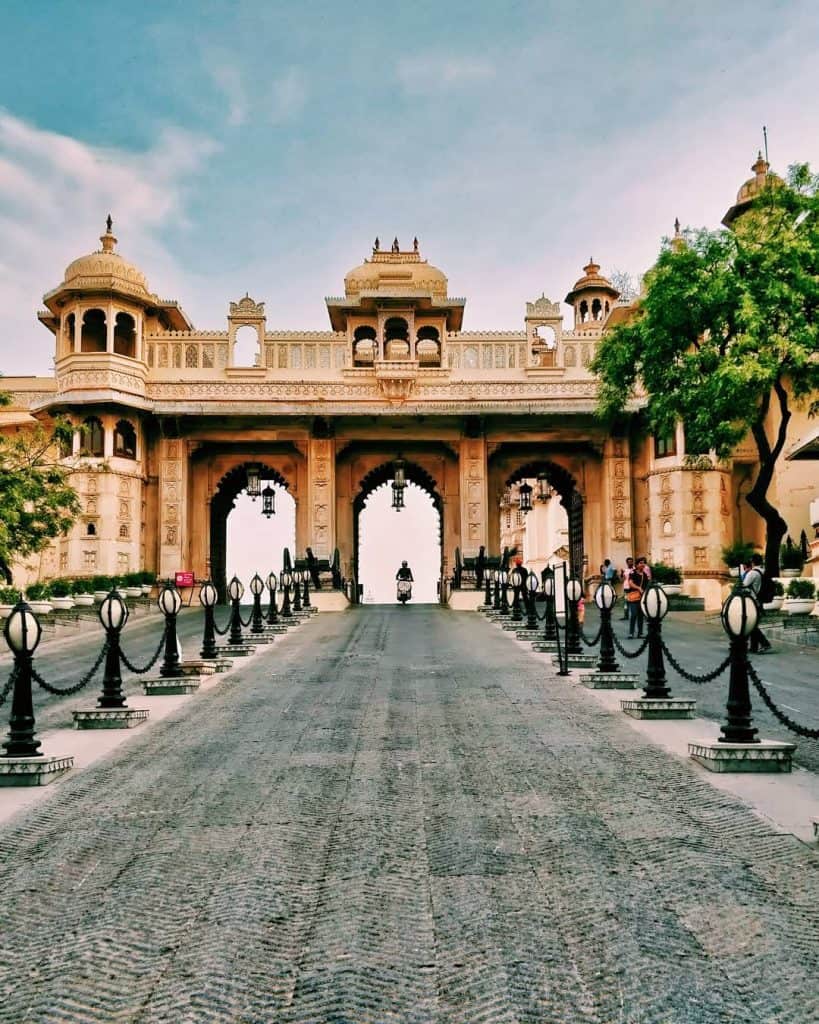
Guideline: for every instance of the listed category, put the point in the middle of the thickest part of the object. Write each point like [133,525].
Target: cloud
[228,79]
[55,193]
[429,73]
[288,96]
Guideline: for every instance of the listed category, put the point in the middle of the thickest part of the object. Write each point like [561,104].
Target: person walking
[628,569]
[638,581]
[754,579]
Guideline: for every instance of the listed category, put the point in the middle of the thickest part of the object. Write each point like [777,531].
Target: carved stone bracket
[396,378]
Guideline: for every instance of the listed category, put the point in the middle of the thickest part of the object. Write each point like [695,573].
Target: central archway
[223,502]
[428,569]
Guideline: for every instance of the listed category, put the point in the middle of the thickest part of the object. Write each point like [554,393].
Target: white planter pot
[799,605]
[63,604]
[5,610]
[773,605]
[146,589]
[672,589]
[83,600]
[790,574]
[100,595]
[133,591]
[40,607]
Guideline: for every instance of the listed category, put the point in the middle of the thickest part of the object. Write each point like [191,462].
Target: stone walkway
[400,818]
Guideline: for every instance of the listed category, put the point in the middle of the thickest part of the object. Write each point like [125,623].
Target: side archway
[571,499]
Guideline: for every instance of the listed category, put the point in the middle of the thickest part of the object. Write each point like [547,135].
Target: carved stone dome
[592,280]
[106,269]
[396,273]
[751,188]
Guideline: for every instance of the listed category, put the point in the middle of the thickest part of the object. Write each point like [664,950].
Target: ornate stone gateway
[176,423]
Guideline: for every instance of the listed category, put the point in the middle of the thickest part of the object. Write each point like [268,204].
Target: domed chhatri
[751,188]
[106,268]
[592,296]
[387,271]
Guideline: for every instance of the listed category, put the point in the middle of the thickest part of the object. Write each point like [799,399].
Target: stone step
[610,680]
[656,708]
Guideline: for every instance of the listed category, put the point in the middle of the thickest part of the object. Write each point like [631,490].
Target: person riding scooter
[405,581]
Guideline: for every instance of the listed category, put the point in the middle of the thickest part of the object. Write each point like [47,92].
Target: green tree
[37,502]
[725,337]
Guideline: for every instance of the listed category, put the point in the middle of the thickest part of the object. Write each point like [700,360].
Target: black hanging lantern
[254,481]
[399,483]
[525,497]
[268,502]
[544,490]
[397,496]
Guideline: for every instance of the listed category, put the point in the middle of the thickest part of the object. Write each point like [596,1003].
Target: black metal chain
[35,675]
[707,677]
[221,632]
[595,641]
[9,685]
[624,651]
[800,730]
[141,671]
[249,619]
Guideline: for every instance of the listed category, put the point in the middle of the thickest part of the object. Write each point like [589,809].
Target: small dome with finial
[106,269]
[592,280]
[751,188]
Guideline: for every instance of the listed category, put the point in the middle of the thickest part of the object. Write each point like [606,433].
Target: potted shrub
[61,595]
[668,576]
[147,579]
[775,602]
[790,559]
[132,584]
[37,597]
[102,586]
[82,592]
[736,554]
[9,596]
[801,597]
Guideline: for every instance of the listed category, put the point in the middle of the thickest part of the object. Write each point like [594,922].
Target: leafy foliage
[726,336]
[37,502]
[801,589]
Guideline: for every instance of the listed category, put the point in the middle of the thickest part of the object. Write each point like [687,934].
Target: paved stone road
[396,817]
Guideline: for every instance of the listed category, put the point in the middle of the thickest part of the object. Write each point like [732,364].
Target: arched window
[93,437]
[606,308]
[125,335]
[93,336]
[470,357]
[125,440]
[191,357]
[428,346]
[583,311]
[68,334]
[123,531]
[363,346]
[91,530]
[597,309]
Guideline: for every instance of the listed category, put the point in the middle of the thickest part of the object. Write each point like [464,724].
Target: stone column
[616,503]
[173,479]
[109,329]
[473,493]
[78,315]
[321,497]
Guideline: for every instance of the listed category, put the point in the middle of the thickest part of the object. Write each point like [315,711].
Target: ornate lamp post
[525,497]
[113,615]
[272,610]
[487,597]
[268,502]
[516,579]
[170,602]
[531,611]
[297,590]
[305,597]
[573,592]
[503,579]
[208,598]
[22,633]
[496,599]
[739,617]
[549,630]
[655,608]
[399,482]
[257,589]
[605,599]
[235,592]
[287,579]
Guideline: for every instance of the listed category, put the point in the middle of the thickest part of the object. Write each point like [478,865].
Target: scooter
[404,591]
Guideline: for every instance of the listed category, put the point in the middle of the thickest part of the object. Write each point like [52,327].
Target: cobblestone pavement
[399,817]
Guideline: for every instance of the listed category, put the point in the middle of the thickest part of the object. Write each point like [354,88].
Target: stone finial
[415,244]
[108,240]
[376,244]
[395,246]
[109,223]
[676,227]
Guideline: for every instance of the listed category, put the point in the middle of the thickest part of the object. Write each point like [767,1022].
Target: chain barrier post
[496,598]
[605,599]
[208,598]
[287,579]
[562,649]
[504,579]
[272,610]
[487,597]
[113,615]
[655,609]
[516,580]
[532,587]
[305,597]
[296,590]
[739,617]
[235,592]
[572,591]
[549,628]
[22,634]
[170,601]
[256,588]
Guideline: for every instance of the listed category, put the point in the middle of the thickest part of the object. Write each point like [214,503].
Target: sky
[261,146]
